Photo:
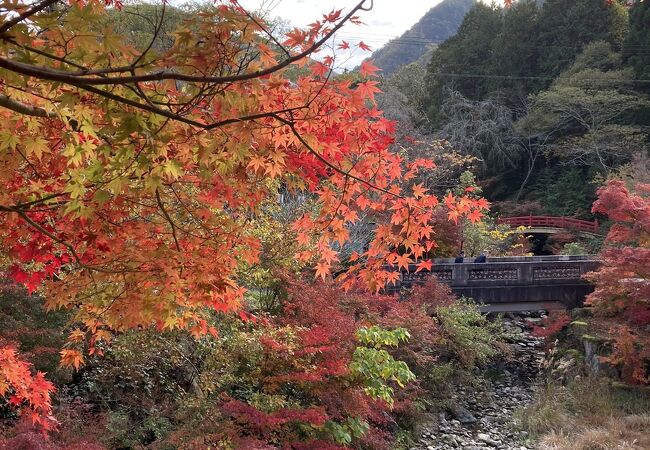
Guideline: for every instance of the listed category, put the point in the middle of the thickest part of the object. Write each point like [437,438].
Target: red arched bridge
[547,223]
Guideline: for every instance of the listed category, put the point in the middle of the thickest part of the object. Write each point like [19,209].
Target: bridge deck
[514,280]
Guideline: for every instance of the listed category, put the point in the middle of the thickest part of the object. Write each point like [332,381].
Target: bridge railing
[532,272]
[551,221]
[526,282]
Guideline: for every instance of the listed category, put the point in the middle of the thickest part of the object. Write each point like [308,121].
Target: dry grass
[589,414]
[617,433]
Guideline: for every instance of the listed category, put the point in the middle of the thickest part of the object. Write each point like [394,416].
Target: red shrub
[622,283]
[553,325]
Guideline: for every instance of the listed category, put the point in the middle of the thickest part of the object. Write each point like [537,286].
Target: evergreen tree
[636,48]
[514,55]
[567,26]
[460,62]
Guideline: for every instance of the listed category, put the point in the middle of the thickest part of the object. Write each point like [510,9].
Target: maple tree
[128,174]
[623,282]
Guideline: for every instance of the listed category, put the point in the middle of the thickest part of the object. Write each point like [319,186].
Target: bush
[466,334]
[622,292]
[573,248]
[330,370]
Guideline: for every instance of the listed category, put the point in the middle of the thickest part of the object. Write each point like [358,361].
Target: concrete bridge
[513,283]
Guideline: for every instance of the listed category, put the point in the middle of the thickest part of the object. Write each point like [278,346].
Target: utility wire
[515,77]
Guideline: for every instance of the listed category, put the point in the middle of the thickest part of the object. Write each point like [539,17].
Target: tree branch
[80,79]
[27,14]
[169,219]
[23,108]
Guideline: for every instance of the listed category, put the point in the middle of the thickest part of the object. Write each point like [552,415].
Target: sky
[387,19]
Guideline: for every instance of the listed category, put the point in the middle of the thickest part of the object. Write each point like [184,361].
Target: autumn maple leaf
[362,45]
[368,89]
[475,216]
[368,69]
[403,261]
[424,265]
[71,358]
[322,270]
[333,16]
[450,200]
[295,37]
[419,190]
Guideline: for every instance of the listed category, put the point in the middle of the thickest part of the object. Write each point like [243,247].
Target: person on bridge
[460,258]
[481,258]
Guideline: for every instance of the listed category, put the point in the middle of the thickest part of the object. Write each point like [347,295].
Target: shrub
[466,334]
[622,283]
[573,248]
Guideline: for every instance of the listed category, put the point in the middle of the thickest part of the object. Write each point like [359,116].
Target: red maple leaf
[362,45]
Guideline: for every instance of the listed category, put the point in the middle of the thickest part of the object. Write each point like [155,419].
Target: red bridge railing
[552,222]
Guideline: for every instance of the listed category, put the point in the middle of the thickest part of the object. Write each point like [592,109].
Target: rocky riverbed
[483,418]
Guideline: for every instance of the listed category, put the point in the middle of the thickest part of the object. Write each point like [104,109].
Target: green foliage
[466,333]
[462,54]
[37,333]
[513,54]
[573,248]
[376,337]
[121,432]
[488,235]
[375,366]
[637,42]
[344,433]
[562,191]
[272,226]
[140,382]
[537,86]
[566,27]
[493,238]
[589,107]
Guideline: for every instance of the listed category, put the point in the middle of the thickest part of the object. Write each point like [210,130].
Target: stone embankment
[484,418]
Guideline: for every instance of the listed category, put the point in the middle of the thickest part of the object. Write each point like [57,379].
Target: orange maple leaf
[475,216]
[71,358]
[368,69]
[322,270]
[403,261]
[450,200]
[453,215]
[424,265]
[419,190]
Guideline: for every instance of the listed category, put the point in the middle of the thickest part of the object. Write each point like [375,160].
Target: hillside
[434,27]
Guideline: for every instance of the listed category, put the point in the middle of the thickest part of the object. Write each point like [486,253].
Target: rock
[481,417]
[461,414]
[487,439]
[425,424]
[533,321]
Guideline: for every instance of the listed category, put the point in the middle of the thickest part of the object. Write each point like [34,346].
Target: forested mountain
[549,97]
[434,27]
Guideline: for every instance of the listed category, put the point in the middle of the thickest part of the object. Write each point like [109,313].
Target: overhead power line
[517,77]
